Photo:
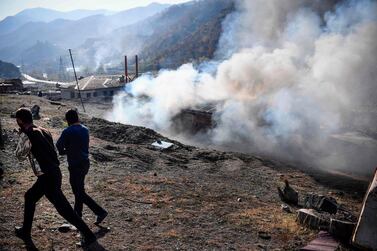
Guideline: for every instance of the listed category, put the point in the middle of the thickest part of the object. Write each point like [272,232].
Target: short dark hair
[71,116]
[25,115]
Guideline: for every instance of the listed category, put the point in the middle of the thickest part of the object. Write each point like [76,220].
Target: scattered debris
[162,144]
[366,229]
[323,242]
[341,229]
[264,235]
[57,103]
[329,204]
[324,213]
[65,228]
[321,203]
[286,208]
[288,194]
[312,219]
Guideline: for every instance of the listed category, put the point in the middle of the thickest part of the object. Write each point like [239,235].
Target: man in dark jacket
[74,142]
[48,183]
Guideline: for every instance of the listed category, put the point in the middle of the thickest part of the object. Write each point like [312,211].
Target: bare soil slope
[182,198]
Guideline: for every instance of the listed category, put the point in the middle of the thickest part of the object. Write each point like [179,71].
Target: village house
[10,85]
[94,87]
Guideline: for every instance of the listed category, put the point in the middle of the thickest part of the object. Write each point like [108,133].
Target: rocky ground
[183,198]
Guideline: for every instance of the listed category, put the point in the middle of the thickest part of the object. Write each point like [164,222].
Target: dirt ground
[184,198]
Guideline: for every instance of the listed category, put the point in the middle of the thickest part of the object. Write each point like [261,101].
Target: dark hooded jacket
[42,148]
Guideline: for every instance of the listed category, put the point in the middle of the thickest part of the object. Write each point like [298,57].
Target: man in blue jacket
[74,142]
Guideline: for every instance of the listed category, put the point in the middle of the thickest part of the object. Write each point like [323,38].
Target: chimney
[125,69]
[137,66]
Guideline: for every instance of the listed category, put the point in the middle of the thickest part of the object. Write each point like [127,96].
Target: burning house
[194,120]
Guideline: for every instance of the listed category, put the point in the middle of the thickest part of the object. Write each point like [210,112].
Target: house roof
[99,82]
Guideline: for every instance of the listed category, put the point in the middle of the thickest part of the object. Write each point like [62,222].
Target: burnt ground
[183,198]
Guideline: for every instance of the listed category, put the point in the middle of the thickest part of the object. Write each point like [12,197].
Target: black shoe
[100,218]
[20,233]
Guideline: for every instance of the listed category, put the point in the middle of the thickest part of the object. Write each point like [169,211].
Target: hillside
[182,198]
[191,36]
[8,70]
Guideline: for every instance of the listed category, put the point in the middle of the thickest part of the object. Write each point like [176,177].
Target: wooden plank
[310,219]
[365,235]
[323,242]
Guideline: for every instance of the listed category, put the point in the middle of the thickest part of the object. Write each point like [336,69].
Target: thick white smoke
[291,77]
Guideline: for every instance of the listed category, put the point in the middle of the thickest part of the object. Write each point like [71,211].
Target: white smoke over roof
[288,76]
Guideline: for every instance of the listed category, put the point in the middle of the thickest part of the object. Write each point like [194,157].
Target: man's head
[24,117]
[72,117]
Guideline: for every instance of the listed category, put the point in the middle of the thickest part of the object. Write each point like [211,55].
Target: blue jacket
[74,142]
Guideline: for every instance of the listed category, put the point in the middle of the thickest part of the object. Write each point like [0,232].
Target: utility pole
[125,69]
[62,75]
[77,82]
[137,66]
[22,66]
[1,138]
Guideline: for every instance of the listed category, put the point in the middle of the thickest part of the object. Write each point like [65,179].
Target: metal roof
[99,82]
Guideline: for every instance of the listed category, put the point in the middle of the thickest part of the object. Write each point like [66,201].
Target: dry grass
[282,226]
[172,233]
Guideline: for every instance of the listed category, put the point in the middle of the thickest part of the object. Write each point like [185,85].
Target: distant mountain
[8,70]
[48,15]
[42,52]
[11,23]
[134,15]
[65,33]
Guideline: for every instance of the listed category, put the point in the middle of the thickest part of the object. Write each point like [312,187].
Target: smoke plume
[291,79]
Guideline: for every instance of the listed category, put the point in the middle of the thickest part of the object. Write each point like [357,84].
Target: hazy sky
[12,7]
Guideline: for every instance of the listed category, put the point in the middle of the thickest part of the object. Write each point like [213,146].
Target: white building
[94,87]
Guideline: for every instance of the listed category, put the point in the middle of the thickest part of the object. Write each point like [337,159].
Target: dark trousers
[50,186]
[77,175]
